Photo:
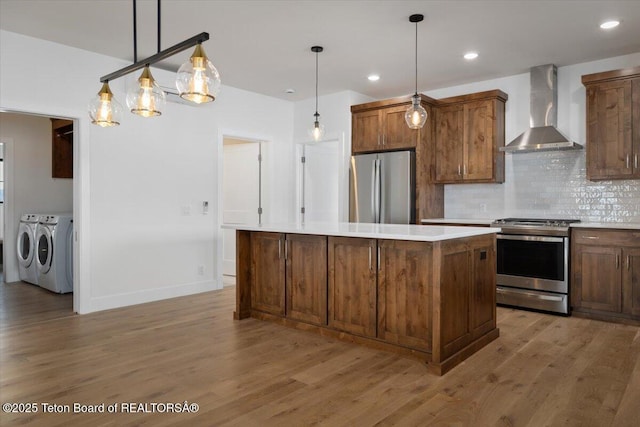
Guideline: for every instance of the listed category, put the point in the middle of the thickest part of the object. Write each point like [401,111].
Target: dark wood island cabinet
[429,292]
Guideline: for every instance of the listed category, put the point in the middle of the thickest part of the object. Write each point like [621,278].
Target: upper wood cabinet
[469,130]
[613,124]
[605,273]
[61,148]
[380,125]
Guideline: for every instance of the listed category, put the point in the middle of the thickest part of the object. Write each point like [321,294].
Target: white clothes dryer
[26,248]
[54,239]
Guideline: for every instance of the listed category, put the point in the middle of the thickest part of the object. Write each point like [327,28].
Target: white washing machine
[54,239]
[26,248]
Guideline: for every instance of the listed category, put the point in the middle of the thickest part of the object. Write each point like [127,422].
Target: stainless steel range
[533,263]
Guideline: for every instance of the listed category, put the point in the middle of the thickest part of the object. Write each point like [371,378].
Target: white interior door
[319,187]
[241,193]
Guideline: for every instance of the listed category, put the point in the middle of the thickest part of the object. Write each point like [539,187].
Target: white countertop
[471,221]
[609,225]
[370,231]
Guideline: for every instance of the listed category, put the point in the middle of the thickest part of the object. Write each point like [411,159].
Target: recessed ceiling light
[289,91]
[609,25]
[374,77]
[470,55]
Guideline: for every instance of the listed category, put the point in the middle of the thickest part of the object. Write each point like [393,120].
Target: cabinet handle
[459,172]
[628,164]
[635,161]
[384,139]
[286,250]
[628,262]
[617,262]
[279,248]
[591,237]
[369,258]
[464,169]
[379,263]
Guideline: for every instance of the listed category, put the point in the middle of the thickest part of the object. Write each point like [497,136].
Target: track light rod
[197,39]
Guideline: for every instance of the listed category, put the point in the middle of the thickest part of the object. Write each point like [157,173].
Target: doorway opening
[36,172]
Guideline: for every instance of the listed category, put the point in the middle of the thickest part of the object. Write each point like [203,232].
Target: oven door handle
[530,238]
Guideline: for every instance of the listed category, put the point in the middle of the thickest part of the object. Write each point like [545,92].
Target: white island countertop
[469,221]
[369,231]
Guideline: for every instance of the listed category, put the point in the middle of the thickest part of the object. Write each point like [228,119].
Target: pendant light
[104,110]
[146,99]
[416,115]
[317,131]
[197,79]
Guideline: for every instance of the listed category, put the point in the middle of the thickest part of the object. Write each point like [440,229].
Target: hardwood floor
[542,370]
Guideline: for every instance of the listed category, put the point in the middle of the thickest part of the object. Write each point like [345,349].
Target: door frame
[266,152]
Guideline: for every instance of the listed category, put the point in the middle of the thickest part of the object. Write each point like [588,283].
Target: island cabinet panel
[306,283]
[268,273]
[404,300]
[613,124]
[352,285]
[465,296]
[605,274]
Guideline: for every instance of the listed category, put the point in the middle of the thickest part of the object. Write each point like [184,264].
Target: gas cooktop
[535,226]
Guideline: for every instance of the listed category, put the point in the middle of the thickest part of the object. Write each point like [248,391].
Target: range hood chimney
[543,135]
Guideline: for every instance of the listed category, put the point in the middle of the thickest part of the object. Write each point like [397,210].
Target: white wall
[34,190]
[133,181]
[548,184]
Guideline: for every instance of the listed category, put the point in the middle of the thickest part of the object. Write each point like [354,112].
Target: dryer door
[45,250]
[26,246]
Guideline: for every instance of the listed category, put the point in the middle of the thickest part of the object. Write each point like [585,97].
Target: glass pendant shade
[104,110]
[317,131]
[416,115]
[146,99]
[197,79]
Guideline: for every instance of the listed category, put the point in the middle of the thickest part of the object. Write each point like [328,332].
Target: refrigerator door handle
[382,213]
[378,189]
[373,190]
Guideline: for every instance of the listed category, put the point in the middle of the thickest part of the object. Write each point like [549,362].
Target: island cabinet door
[352,285]
[482,312]
[404,299]
[306,278]
[268,272]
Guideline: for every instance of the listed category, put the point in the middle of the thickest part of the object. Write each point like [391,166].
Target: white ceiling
[264,46]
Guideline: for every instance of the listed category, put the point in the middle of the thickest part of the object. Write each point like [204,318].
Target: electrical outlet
[201,270]
[483,207]
[205,207]
[186,210]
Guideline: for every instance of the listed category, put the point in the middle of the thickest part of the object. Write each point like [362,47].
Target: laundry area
[36,222]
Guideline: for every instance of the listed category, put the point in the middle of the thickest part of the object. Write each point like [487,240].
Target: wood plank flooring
[542,371]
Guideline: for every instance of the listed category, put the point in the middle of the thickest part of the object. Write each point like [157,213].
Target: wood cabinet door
[449,140]
[609,143]
[366,131]
[482,314]
[61,148]
[631,282]
[306,283]
[396,133]
[268,272]
[352,285]
[598,278]
[478,147]
[456,277]
[404,301]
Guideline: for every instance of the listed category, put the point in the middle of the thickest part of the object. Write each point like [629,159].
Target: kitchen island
[429,292]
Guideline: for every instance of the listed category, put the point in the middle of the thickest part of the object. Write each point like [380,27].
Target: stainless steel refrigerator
[382,188]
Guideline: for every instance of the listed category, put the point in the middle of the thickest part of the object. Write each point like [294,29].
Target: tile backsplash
[546,185]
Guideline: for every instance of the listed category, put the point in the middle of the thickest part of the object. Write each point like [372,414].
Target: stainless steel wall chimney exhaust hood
[543,135]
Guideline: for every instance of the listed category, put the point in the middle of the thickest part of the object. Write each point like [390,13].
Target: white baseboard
[149,295]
